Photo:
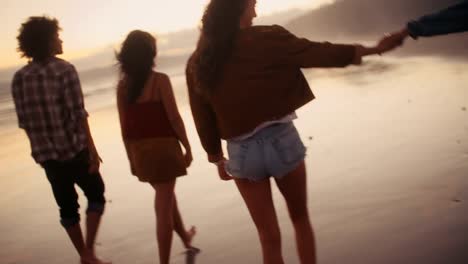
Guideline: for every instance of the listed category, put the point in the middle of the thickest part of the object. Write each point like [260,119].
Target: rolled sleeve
[73,95]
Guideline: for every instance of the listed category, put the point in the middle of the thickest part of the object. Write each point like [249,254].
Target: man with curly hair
[50,108]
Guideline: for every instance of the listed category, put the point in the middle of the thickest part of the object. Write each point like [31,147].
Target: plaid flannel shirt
[50,108]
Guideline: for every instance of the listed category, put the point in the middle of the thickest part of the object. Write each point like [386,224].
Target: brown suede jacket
[262,81]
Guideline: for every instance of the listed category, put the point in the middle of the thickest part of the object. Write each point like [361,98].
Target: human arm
[206,125]
[121,104]
[450,20]
[205,120]
[291,50]
[74,102]
[170,105]
[453,19]
[16,91]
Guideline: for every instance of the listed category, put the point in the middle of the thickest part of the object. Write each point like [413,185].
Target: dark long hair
[220,26]
[136,62]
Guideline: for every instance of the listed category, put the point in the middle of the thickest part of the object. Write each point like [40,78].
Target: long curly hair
[220,26]
[136,62]
[36,36]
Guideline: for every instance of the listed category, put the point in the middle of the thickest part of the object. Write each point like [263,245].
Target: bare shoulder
[162,79]
[160,75]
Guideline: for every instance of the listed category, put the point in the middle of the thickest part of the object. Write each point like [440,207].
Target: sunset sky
[89,24]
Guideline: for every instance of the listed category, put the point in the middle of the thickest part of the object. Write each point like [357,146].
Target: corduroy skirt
[156,160]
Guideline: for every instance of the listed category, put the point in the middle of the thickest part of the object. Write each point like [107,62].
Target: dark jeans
[63,175]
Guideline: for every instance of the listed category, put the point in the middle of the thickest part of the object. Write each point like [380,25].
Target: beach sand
[387,164]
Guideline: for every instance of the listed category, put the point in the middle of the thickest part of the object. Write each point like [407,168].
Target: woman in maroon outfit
[152,131]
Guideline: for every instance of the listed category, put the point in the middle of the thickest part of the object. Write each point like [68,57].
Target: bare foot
[190,234]
[93,260]
[193,251]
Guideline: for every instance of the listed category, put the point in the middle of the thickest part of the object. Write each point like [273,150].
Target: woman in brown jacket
[245,85]
[152,129]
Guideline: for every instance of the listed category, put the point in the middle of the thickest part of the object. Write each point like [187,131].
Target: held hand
[188,158]
[390,42]
[222,171]
[94,162]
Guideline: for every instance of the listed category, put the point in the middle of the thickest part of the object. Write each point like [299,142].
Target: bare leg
[294,189]
[93,220]
[76,236]
[185,235]
[164,206]
[257,197]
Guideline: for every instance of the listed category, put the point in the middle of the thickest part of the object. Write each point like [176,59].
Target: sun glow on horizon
[88,24]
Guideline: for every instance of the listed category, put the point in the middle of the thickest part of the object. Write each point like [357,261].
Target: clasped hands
[387,43]
[392,41]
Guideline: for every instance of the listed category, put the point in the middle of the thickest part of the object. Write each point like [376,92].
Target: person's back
[245,84]
[152,130]
[151,142]
[147,119]
[49,109]
[262,79]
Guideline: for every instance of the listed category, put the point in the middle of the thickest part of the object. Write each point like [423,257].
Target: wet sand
[387,178]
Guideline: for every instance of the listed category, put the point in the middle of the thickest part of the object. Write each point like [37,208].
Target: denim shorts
[273,151]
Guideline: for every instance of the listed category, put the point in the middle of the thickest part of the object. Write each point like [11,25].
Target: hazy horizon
[387,148]
[90,26]
[333,21]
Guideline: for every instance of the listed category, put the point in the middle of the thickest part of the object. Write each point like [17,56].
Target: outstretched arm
[450,20]
[301,52]
[453,19]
